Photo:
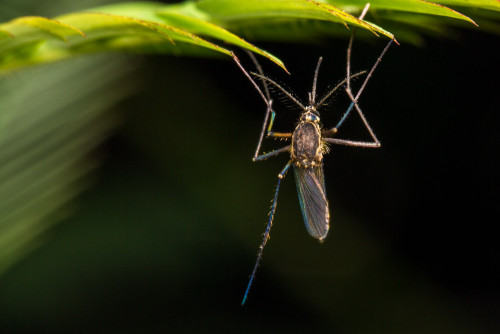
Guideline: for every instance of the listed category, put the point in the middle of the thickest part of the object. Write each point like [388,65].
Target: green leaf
[36,40]
[53,27]
[230,11]
[99,25]
[412,6]
[484,4]
[187,17]
[211,26]
[127,27]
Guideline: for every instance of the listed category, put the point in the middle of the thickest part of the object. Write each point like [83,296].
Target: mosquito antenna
[312,98]
[379,59]
[337,87]
[293,98]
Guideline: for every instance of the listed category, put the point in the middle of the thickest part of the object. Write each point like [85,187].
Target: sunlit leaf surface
[195,27]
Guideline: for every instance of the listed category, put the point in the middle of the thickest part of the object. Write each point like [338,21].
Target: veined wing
[313,202]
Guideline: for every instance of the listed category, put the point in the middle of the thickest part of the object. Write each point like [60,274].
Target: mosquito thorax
[306,149]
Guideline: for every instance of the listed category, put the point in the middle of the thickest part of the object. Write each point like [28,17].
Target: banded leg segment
[270,133]
[265,238]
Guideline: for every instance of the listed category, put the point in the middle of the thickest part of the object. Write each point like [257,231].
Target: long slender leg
[265,238]
[354,103]
[252,81]
[348,68]
[355,99]
[272,153]
[261,72]
[269,109]
[349,48]
[352,142]
[376,142]
[266,98]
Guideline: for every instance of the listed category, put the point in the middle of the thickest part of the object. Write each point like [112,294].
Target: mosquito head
[311,109]
[310,116]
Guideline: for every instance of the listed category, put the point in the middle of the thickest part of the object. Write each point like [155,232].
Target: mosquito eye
[312,118]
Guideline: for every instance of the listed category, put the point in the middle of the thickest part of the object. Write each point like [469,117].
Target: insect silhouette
[308,145]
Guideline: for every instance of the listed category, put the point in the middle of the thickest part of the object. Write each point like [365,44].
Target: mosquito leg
[265,238]
[270,133]
[355,99]
[330,132]
[261,72]
[349,48]
[272,153]
[271,112]
[266,99]
[251,80]
[374,144]
[348,62]
[348,70]
[363,118]
[352,142]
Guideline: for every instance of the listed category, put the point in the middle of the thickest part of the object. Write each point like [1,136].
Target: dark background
[166,237]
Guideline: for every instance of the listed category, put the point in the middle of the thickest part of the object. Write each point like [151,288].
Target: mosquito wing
[313,202]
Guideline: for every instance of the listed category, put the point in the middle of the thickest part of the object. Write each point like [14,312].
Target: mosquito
[308,145]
